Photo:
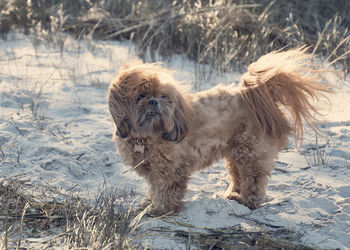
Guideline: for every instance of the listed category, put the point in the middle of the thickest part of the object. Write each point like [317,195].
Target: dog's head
[146,100]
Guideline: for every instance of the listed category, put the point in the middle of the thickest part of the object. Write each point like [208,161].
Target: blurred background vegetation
[226,34]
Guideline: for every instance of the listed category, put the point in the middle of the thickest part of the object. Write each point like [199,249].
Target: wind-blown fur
[169,133]
[281,79]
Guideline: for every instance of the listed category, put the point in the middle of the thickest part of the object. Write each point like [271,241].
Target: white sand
[71,146]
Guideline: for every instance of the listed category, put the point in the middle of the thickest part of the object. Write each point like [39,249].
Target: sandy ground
[55,129]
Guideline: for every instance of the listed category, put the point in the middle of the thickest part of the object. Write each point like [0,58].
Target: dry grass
[227,35]
[320,152]
[20,209]
[29,211]
[237,238]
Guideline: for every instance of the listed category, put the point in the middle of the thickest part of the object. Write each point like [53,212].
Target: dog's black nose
[153,102]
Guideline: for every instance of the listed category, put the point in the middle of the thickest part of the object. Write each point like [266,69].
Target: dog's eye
[140,97]
[163,96]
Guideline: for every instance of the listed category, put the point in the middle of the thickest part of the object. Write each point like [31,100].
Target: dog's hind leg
[252,192]
[234,176]
[249,165]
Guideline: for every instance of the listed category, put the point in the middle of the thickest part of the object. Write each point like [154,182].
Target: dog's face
[144,100]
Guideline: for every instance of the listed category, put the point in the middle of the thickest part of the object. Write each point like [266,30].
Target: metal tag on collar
[139,147]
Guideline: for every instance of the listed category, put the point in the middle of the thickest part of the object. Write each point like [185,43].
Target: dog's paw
[250,203]
[233,196]
[166,210]
[159,212]
[145,202]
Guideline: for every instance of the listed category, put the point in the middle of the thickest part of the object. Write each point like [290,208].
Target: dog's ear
[123,128]
[117,107]
[179,126]
[176,134]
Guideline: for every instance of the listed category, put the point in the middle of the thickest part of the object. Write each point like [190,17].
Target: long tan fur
[288,79]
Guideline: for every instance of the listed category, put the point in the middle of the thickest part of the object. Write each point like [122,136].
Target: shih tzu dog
[167,133]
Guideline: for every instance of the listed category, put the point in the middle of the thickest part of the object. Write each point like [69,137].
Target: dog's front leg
[167,195]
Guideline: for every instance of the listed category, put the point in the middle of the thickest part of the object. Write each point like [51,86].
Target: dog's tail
[286,79]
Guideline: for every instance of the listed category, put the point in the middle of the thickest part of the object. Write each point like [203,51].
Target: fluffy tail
[286,79]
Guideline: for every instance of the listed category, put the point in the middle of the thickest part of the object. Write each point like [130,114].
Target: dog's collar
[135,136]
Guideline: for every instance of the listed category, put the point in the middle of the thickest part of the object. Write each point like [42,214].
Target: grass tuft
[69,221]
